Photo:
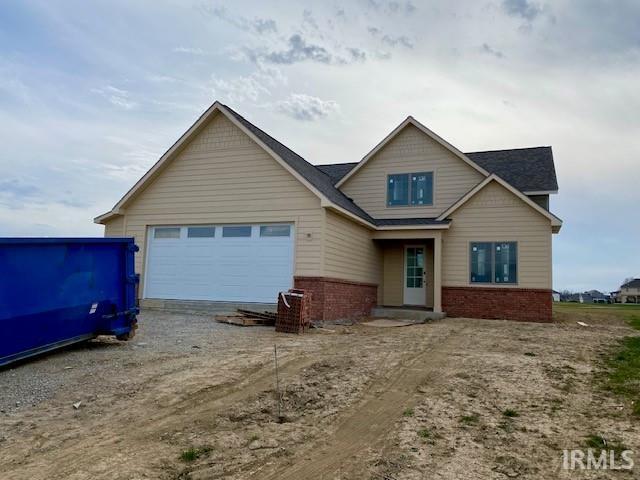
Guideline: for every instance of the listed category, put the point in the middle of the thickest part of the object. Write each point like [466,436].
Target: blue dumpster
[58,291]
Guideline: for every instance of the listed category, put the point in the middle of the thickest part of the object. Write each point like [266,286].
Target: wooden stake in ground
[275,354]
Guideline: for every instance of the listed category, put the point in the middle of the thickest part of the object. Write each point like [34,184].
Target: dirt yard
[192,399]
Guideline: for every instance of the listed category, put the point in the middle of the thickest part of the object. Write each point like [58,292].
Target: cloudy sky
[92,93]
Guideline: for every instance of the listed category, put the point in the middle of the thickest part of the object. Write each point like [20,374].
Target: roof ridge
[327,188]
[508,149]
[332,164]
[268,135]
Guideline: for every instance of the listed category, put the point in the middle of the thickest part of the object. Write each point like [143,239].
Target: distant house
[597,296]
[615,296]
[574,297]
[630,292]
[555,295]
[592,296]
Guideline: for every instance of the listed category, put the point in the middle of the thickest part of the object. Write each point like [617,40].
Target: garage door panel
[242,269]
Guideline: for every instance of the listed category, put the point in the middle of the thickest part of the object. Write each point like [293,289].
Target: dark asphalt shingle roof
[527,169]
[635,283]
[314,176]
[336,170]
[410,221]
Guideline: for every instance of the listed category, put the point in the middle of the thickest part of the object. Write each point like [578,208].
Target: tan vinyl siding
[392,291]
[222,176]
[114,227]
[349,251]
[411,151]
[495,214]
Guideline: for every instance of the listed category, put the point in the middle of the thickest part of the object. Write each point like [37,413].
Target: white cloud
[116,96]
[306,107]
[188,50]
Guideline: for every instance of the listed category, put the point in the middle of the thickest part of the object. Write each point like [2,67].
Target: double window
[494,262]
[413,189]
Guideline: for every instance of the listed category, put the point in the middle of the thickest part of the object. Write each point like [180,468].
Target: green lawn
[604,307]
[621,372]
[594,314]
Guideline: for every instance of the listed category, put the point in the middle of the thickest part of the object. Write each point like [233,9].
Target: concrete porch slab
[406,313]
[386,323]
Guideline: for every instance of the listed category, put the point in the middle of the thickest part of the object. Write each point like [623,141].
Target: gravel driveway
[90,365]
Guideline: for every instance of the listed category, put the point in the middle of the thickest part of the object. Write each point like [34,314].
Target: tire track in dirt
[368,424]
[84,451]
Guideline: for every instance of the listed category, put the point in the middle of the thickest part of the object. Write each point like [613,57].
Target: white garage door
[234,263]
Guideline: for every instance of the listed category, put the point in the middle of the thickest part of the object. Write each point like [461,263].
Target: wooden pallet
[254,314]
[244,321]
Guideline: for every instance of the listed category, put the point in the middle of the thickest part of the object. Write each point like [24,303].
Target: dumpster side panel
[57,291]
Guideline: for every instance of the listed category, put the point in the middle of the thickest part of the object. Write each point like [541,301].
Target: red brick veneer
[524,304]
[334,299]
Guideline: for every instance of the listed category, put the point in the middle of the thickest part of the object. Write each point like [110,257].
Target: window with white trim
[201,232]
[239,231]
[275,230]
[166,232]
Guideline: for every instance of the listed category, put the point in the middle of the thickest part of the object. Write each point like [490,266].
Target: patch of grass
[193,453]
[424,433]
[598,442]
[511,413]
[623,371]
[507,426]
[408,412]
[634,321]
[472,419]
[254,437]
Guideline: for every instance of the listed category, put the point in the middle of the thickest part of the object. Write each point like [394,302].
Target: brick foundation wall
[523,304]
[335,299]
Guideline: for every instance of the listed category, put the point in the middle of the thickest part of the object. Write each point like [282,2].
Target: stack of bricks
[296,317]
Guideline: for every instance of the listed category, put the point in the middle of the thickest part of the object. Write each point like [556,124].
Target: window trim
[410,189]
[493,244]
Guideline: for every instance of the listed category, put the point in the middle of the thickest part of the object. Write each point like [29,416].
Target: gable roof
[336,170]
[556,223]
[411,121]
[318,182]
[531,170]
[321,179]
[314,176]
[635,283]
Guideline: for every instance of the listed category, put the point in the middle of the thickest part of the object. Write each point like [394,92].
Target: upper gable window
[422,188]
[398,190]
[406,189]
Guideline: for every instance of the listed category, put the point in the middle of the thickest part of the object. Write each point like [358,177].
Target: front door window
[414,276]
[415,267]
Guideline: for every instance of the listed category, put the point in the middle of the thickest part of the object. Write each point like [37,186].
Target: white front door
[414,276]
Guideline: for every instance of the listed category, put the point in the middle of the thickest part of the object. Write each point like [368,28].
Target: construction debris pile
[294,314]
[249,318]
[294,311]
